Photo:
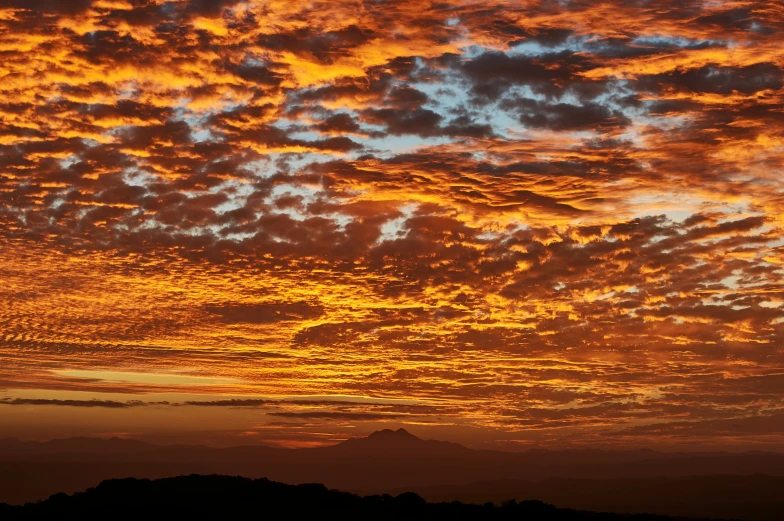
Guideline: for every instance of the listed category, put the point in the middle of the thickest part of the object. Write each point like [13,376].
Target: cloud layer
[559,220]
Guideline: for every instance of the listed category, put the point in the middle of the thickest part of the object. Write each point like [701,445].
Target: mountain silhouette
[388,435]
[392,442]
[77,445]
[383,462]
[233,498]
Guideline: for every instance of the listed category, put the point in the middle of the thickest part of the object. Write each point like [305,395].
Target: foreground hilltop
[227,498]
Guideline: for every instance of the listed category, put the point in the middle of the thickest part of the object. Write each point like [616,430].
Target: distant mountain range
[396,461]
[227,498]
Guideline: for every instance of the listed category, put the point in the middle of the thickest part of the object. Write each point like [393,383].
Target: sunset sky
[510,224]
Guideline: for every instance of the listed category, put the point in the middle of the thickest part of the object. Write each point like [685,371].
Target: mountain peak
[399,434]
[387,442]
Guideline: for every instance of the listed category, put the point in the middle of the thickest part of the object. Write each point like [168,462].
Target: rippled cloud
[546,222]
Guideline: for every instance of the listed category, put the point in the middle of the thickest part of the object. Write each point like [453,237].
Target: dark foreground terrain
[715,485]
[750,498]
[229,498]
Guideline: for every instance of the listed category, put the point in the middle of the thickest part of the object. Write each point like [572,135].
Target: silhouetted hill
[722,497]
[391,442]
[234,498]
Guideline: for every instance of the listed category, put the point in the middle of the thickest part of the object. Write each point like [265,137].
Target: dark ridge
[228,498]
[389,433]
[391,441]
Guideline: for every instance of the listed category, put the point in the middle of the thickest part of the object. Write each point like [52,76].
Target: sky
[510,224]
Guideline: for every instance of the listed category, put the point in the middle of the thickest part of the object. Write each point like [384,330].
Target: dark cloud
[109,404]
[327,415]
[721,80]
[232,403]
[493,73]
[565,116]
